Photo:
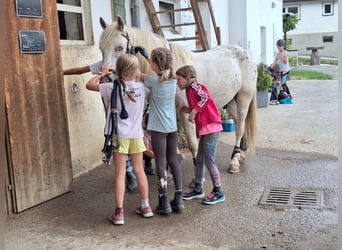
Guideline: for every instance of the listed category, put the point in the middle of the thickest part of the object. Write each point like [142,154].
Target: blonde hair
[126,65]
[187,71]
[162,57]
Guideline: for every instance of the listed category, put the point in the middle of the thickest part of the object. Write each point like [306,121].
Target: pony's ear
[103,23]
[121,24]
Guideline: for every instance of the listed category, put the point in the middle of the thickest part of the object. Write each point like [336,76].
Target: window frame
[331,7]
[84,10]
[286,8]
[328,39]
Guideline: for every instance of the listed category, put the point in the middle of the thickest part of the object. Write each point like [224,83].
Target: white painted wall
[100,8]
[311,28]
[312,20]
[256,25]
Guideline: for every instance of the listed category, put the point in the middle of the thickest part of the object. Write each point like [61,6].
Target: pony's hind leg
[242,109]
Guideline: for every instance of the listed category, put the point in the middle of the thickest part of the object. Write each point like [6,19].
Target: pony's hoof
[233,169]
[242,157]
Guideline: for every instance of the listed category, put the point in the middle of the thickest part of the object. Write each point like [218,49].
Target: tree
[290,21]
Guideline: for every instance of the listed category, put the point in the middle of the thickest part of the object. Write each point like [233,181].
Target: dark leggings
[164,146]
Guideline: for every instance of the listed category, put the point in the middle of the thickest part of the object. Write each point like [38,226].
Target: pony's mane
[181,56]
[150,41]
[138,37]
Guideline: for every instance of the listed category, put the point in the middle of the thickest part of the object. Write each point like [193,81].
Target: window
[167,18]
[328,39]
[328,9]
[119,9]
[73,21]
[295,9]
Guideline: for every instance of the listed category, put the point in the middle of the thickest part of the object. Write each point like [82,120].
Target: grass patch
[298,74]
[306,61]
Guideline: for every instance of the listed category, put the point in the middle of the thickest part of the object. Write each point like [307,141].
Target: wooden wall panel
[36,110]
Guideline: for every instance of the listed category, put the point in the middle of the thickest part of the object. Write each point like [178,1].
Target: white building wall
[256,25]
[312,27]
[312,21]
[100,8]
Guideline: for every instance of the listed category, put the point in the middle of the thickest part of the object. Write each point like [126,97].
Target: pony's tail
[250,126]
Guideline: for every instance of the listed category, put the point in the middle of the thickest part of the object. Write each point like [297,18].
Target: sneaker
[274,102]
[145,212]
[192,193]
[213,198]
[117,216]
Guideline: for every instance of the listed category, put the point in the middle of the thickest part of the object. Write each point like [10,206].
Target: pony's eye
[118,49]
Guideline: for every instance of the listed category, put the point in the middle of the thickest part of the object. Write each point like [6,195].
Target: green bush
[264,80]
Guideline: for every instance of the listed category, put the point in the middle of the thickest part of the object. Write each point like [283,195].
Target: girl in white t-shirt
[129,130]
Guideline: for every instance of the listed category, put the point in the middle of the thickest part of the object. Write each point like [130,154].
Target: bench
[315,58]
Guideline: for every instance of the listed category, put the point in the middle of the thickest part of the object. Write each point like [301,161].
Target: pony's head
[114,40]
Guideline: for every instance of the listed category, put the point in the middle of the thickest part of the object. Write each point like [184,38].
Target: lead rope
[112,139]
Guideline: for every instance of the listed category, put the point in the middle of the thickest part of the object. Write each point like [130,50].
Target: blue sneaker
[213,198]
[193,193]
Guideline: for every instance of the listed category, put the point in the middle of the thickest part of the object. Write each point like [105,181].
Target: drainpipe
[135,12]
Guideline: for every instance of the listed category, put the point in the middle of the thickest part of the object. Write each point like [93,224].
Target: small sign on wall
[29,8]
[32,41]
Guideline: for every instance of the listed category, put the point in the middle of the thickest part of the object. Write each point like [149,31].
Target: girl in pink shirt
[204,113]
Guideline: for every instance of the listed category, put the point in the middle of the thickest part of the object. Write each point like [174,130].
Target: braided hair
[126,65]
[162,57]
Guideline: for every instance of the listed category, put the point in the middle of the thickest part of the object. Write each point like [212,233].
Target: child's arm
[76,71]
[284,57]
[93,83]
[149,153]
[141,76]
[192,115]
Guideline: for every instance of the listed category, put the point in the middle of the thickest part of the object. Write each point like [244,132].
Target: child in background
[129,130]
[281,60]
[162,123]
[204,113]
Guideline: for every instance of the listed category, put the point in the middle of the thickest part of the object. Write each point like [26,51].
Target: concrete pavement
[296,148]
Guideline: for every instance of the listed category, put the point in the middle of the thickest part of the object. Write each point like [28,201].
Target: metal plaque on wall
[29,8]
[32,41]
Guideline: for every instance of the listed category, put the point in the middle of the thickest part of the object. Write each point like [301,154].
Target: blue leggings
[206,156]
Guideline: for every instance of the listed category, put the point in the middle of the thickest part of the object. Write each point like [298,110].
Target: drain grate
[288,197]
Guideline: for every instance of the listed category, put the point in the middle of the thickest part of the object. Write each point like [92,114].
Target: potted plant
[264,82]
[227,122]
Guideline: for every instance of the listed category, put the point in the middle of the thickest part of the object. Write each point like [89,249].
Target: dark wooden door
[39,149]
